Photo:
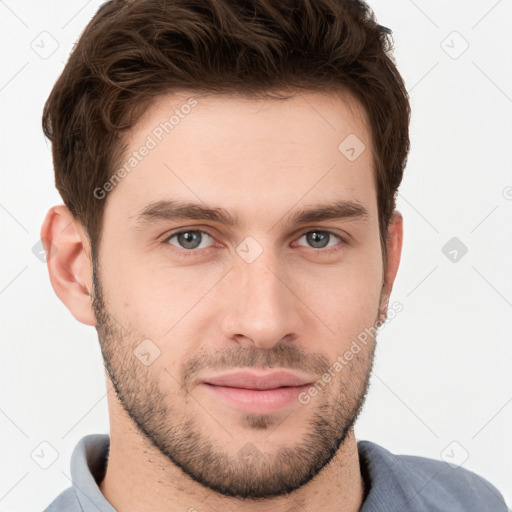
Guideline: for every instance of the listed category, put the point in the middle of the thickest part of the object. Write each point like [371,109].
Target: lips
[259,380]
[257,392]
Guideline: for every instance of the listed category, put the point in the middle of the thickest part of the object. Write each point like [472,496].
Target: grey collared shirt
[398,483]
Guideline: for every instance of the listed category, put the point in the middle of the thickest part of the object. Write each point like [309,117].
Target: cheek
[346,298]
[156,300]
[351,309]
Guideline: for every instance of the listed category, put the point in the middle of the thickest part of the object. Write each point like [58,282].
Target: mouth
[257,392]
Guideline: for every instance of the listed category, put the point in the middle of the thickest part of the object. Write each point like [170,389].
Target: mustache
[279,356]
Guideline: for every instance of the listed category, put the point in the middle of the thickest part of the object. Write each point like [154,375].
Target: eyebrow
[174,209]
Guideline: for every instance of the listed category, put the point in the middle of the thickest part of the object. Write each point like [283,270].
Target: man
[229,172]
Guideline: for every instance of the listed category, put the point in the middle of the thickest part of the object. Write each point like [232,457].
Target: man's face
[180,301]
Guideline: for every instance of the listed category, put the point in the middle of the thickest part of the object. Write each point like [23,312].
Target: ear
[394,246]
[68,256]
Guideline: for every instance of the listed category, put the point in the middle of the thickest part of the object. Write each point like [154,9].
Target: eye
[190,239]
[320,239]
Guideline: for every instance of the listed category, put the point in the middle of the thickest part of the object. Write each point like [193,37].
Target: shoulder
[67,501]
[426,484]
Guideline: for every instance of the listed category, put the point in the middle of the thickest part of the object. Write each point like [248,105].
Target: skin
[174,446]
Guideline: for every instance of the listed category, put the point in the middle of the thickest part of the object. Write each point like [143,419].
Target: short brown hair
[134,50]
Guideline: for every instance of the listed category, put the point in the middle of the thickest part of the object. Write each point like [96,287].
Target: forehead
[248,154]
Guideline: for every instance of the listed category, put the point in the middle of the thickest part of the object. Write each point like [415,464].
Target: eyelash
[195,252]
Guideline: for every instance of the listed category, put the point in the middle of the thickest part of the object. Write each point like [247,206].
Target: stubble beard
[249,473]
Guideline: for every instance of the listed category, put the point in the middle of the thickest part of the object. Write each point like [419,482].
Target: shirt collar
[88,465]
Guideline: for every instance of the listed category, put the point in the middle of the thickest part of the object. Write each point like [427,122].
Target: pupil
[186,239]
[318,239]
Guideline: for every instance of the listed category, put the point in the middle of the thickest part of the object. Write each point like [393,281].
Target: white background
[443,367]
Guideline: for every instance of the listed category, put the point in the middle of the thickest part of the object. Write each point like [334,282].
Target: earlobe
[69,262]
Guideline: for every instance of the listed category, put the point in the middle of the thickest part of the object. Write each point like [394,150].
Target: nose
[261,305]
